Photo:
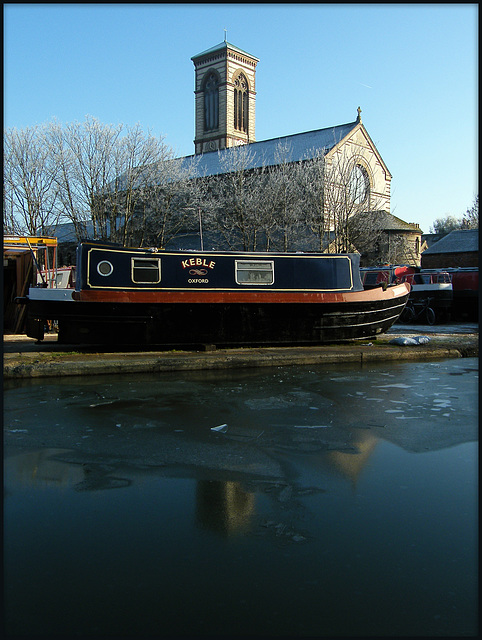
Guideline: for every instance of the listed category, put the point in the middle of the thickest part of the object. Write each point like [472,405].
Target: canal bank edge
[42,363]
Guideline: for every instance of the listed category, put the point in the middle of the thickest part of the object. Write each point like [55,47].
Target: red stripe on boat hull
[239,297]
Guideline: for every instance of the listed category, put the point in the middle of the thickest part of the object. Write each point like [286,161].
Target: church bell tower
[225,98]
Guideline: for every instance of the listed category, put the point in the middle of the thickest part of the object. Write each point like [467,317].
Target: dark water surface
[335,501]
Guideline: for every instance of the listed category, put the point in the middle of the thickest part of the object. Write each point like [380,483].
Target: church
[225,121]
[225,117]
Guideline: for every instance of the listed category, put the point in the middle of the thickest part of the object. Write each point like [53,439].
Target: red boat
[465,284]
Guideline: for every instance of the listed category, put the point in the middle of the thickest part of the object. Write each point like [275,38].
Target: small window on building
[146,270]
[254,272]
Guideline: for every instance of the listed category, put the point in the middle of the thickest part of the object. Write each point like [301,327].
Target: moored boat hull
[326,318]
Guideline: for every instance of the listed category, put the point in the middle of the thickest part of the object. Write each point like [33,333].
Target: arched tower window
[211,102]
[241,103]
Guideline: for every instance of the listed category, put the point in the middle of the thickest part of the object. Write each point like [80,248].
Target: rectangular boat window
[254,272]
[146,270]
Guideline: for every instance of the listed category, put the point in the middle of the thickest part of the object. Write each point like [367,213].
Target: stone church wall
[358,149]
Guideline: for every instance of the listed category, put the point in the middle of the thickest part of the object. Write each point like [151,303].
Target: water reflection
[350,465]
[66,468]
[42,468]
[223,507]
[305,494]
[105,433]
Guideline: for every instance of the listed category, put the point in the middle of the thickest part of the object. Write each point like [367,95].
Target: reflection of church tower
[225,98]
[223,506]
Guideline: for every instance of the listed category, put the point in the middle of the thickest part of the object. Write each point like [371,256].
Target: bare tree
[471,216]
[256,208]
[74,208]
[30,191]
[169,201]
[285,190]
[313,176]
[85,154]
[232,213]
[118,183]
[350,205]
[103,172]
[111,182]
[448,223]
[290,204]
[135,156]
[265,206]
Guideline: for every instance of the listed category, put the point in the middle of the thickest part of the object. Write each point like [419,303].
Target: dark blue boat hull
[218,323]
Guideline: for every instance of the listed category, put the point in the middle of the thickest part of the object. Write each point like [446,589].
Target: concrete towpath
[24,358]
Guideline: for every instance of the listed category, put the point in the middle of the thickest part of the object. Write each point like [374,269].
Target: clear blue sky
[412,68]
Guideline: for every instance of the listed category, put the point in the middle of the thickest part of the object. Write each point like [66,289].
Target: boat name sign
[198,262]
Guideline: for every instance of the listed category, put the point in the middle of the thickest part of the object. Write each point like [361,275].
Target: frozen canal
[299,501]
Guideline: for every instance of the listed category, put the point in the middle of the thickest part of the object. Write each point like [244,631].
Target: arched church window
[211,103]
[241,103]
[359,184]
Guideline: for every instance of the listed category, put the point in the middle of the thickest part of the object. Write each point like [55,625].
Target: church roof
[458,241]
[389,222]
[302,146]
[219,47]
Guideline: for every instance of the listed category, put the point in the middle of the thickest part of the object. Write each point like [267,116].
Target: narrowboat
[141,296]
[430,289]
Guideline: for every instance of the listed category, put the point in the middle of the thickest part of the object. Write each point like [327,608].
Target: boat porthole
[105,268]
